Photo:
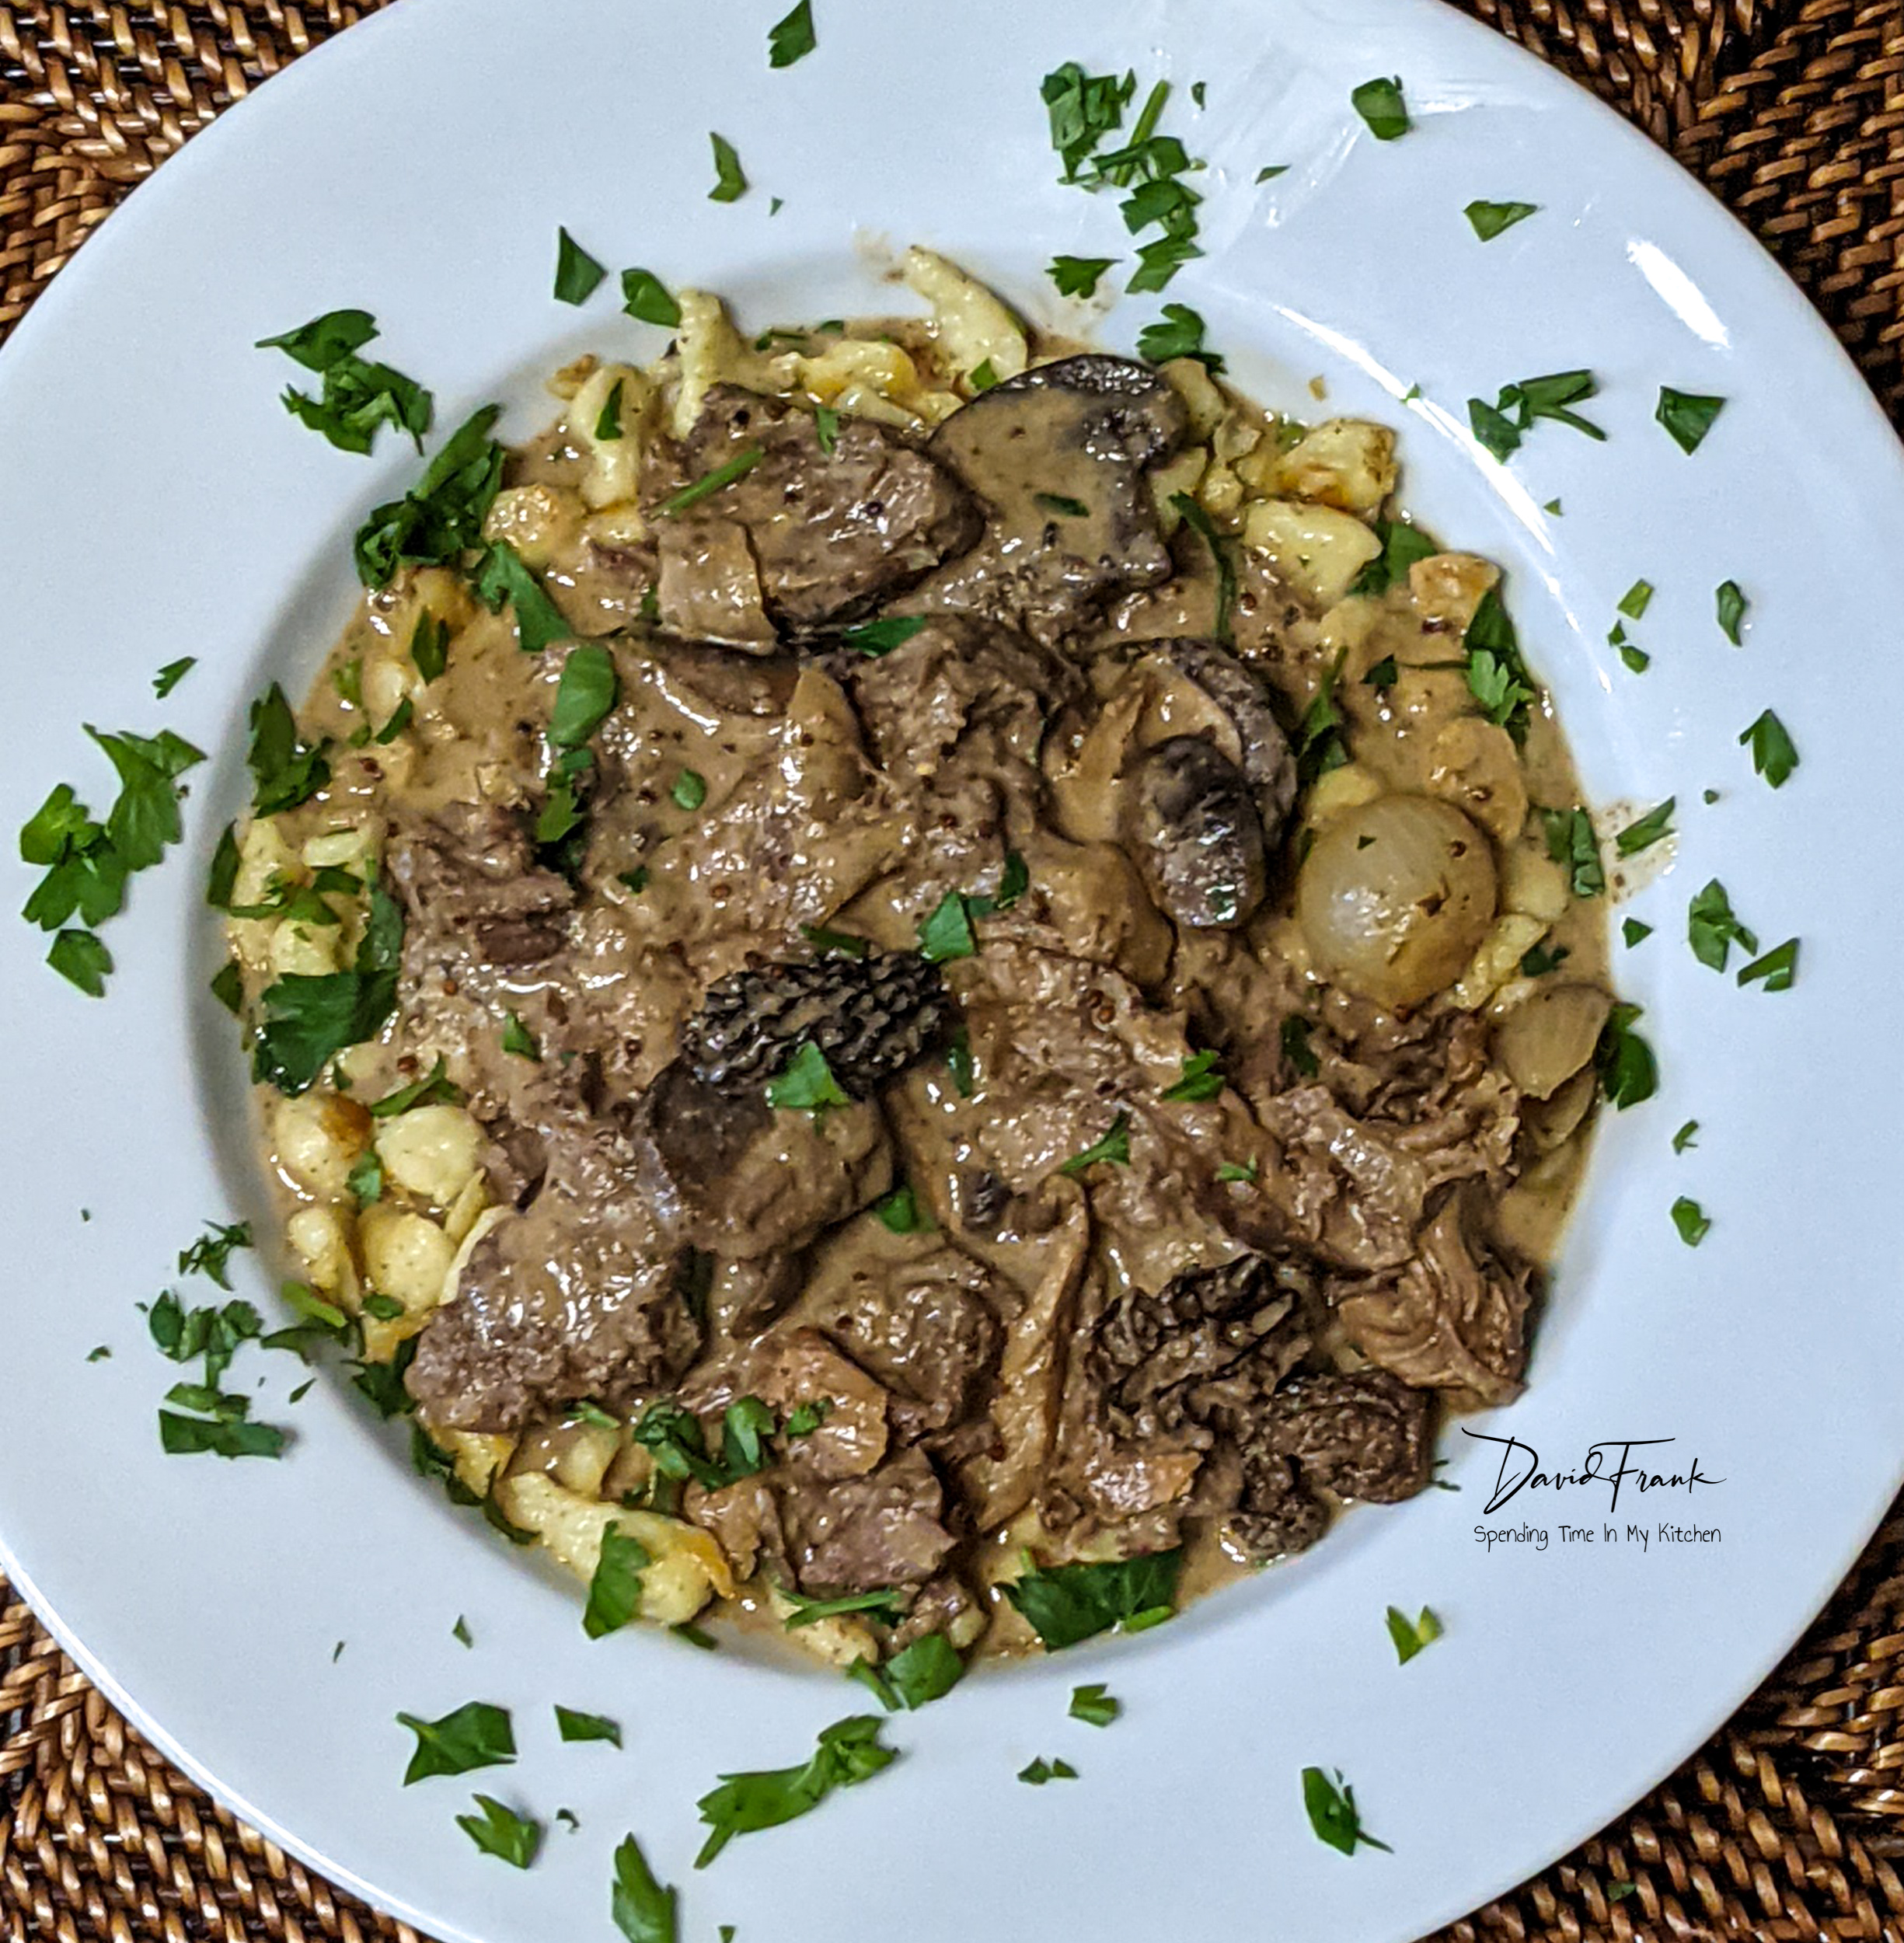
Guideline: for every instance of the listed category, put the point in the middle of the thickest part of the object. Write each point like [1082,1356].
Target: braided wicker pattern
[1782,1828]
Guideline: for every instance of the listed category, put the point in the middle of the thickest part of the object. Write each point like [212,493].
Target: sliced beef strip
[1081,432]
[830,535]
[472,888]
[577,1296]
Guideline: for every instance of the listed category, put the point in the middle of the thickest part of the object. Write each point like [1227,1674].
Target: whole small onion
[1395,896]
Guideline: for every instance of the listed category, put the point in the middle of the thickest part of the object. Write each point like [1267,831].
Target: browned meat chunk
[1059,454]
[862,1534]
[829,535]
[472,888]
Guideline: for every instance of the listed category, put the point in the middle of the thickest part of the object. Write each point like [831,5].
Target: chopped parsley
[1200,1078]
[577,274]
[172,674]
[1201,524]
[1381,104]
[1538,960]
[358,397]
[1319,744]
[307,1019]
[1060,506]
[1687,416]
[434,1086]
[1628,1071]
[1294,1035]
[1692,1221]
[900,1212]
[729,181]
[608,420]
[1410,1635]
[1687,1136]
[984,375]
[83,960]
[806,1084]
[501,1832]
[1230,1171]
[1271,172]
[285,772]
[842,943]
[646,298]
[1571,840]
[1712,928]
[1502,426]
[572,1725]
[1095,1706]
[847,1753]
[1637,598]
[1065,1604]
[441,517]
[709,483]
[1114,1148]
[959,1059]
[1496,677]
[211,1254]
[585,695]
[503,576]
[518,1039]
[883,1604]
[1778,969]
[615,1590]
[1333,1813]
[1643,831]
[1489,219]
[1041,1770]
[1774,755]
[791,37]
[1731,603]
[1633,930]
[1402,546]
[1077,276]
[642,1909]
[826,427]
[945,933]
[689,791]
[882,637]
[1178,333]
[476,1734]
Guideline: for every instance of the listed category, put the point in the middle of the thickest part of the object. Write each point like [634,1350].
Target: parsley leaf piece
[308,1020]
[1637,598]
[806,1417]
[429,645]
[198,1437]
[615,1590]
[585,695]
[1712,929]
[900,1213]
[476,1734]
[722,477]
[1778,968]
[1402,546]
[1077,276]
[1637,659]
[1200,1078]
[325,341]
[434,1086]
[286,771]
[211,1254]
[791,37]
[884,1605]
[847,1753]
[643,1910]
[959,1059]
[1687,1136]
[946,933]
[1730,602]
[383,1308]
[729,181]
[441,517]
[747,1425]
[518,1039]
[172,674]
[806,1084]
[982,376]
[1084,109]
[842,943]
[1229,1171]
[578,274]
[1496,433]
[826,429]
[1177,333]
[647,298]
[1115,1148]
[1067,1603]
[460,1632]
[1628,1071]
[1038,1772]
[1538,960]
[80,958]
[1489,219]
[1643,831]
[222,878]
[1633,930]
[358,397]
[227,986]
[1571,840]
[501,1832]
[1410,1635]
[608,420]
[1157,263]
[882,637]
[1774,755]
[1095,1706]
[1498,678]
[689,790]
[1061,507]
[1294,1034]
[1333,1813]
[572,1725]
[679,1446]
[1692,1221]
[503,577]
[925,1671]
[1687,416]
[1201,524]
[1381,105]
[1270,173]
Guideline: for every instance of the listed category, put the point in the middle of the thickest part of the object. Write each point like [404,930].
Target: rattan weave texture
[1784,1825]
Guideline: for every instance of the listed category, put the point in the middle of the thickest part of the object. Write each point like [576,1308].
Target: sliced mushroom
[1196,835]
[1266,761]
[1550,1035]
[1059,454]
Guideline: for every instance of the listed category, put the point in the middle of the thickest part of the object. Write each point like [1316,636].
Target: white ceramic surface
[155,501]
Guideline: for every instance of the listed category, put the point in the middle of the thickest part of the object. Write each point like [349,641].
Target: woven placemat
[1782,1826]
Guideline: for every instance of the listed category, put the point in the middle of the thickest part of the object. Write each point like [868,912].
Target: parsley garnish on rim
[578,274]
[1778,969]
[501,1832]
[1571,840]
[1643,831]
[285,772]
[1502,426]
[1628,1071]
[847,1753]
[1381,105]
[1402,546]
[1712,928]
[1774,755]
[211,1254]
[1692,1221]
[172,674]
[1731,603]
[1687,416]
[358,397]
[729,180]
[1038,1773]
[1078,276]
[476,1734]
[441,517]
[642,1909]
[1410,1635]
[1178,333]
[1489,219]
[1333,1813]
[1114,1148]
[791,37]
[1065,1604]
[1095,1706]
[645,298]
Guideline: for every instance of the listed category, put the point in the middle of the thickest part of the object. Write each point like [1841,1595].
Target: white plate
[155,501]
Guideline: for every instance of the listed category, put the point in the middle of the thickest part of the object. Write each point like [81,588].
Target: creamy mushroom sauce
[1190,1349]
